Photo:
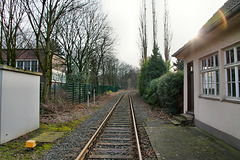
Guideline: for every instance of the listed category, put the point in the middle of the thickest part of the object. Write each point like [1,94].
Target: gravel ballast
[141,115]
[70,146]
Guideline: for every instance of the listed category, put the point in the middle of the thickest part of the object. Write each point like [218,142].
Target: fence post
[54,91]
[94,96]
[73,93]
[88,95]
[84,93]
[96,90]
[79,95]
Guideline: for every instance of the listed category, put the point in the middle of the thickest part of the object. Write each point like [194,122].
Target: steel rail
[85,149]
[135,128]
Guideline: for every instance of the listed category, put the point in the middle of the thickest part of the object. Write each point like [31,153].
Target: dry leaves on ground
[62,111]
[156,113]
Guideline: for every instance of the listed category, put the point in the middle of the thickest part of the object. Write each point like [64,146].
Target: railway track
[117,136]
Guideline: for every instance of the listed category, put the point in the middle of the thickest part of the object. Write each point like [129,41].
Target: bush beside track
[166,92]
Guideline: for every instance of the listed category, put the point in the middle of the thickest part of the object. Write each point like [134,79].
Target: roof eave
[206,30]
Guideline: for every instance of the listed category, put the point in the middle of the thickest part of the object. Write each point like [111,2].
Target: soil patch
[62,111]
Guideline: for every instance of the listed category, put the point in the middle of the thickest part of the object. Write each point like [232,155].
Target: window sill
[231,100]
[210,98]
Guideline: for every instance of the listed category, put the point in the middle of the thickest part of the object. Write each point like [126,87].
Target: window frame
[27,65]
[31,67]
[210,65]
[233,68]
[17,64]
[36,66]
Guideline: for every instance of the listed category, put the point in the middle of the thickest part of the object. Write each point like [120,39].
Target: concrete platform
[187,143]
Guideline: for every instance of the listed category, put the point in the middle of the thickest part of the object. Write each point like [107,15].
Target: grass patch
[15,149]
[96,107]
[63,127]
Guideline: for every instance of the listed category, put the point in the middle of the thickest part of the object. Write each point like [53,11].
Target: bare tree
[43,16]
[96,29]
[2,5]
[104,47]
[143,32]
[98,44]
[167,34]
[109,70]
[86,39]
[154,24]
[116,73]
[127,76]
[68,33]
[12,13]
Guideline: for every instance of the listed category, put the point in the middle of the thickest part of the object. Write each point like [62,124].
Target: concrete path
[187,143]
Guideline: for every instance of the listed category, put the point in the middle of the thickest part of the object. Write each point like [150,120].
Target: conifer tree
[150,70]
[156,66]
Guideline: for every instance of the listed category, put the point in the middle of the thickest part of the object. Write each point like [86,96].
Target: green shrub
[167,92]
[142,81]
[155,68]
[151,95]
[150,70]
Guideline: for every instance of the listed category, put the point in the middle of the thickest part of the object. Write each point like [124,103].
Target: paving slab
[187,143]
[48,136]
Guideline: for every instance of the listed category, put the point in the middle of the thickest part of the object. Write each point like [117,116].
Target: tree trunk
[47,71]
[45,87]
[103,75]
[50,75]
[96,79]
[154,24]
[1,52]
[13,57]
[1,38]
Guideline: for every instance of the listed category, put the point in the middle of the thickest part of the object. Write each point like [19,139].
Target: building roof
[228,9]
[226,12]
[22,54]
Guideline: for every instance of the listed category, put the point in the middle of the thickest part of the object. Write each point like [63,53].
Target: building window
[20,64]
[27,65]
[210,76]
[34,66]
[31,65]
[232,72]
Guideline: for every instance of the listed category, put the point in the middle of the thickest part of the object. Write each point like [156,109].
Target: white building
[212,74]
[19,102]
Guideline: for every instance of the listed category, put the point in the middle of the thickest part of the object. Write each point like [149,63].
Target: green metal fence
[78,92]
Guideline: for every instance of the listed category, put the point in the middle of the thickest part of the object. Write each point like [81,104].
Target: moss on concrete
[15,149]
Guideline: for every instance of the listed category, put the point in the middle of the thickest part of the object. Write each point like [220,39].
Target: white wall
[216,113]
[223,116]
[19,108]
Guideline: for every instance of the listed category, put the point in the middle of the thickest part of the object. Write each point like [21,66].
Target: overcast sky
[186,18]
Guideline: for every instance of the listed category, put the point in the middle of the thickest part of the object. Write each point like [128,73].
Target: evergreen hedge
[167,92]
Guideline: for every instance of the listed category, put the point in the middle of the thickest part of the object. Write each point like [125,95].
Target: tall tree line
[143,32]
[11,34]
[167,38]
[76,30]
[167,35]
[153,67]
